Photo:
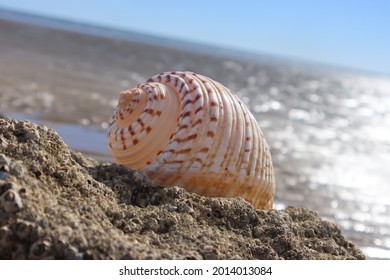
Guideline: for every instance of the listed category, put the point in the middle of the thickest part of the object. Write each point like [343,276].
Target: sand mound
[56,204]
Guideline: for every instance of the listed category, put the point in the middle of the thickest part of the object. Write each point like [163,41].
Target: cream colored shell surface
[185,129]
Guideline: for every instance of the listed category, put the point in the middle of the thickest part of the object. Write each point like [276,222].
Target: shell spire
[185,129]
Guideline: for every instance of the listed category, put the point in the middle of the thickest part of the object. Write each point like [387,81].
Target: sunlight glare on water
[333,155]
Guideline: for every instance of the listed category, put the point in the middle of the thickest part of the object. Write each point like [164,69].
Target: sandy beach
[56,204]
[316,119]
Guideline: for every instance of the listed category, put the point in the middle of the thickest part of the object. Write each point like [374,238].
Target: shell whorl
[185,129]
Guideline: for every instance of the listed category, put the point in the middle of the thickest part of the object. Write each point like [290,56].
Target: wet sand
[314,119]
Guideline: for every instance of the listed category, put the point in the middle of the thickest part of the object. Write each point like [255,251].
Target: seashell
[25,230]
[41,249]
[185,129]
[11,201]
[6,236]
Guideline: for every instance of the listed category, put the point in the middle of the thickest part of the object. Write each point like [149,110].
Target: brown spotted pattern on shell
[185,129]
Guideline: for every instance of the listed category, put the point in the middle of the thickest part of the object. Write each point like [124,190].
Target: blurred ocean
[328,128]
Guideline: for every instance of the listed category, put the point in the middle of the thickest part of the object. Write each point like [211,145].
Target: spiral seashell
[185,129]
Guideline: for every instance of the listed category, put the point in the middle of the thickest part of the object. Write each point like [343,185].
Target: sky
[349,33]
